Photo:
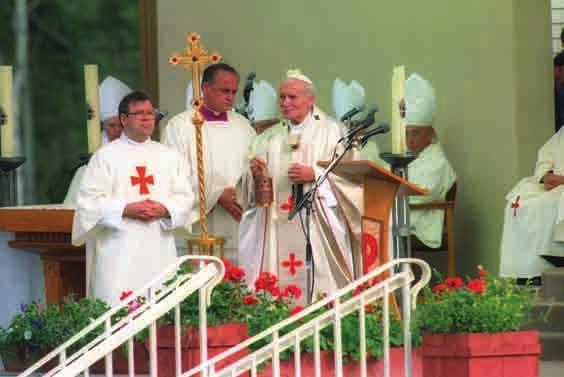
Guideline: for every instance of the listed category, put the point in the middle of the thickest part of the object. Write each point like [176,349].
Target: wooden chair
[448,230]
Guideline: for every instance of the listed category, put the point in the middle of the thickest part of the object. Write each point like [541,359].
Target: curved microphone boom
[352,112]
[381,129]
[361,124]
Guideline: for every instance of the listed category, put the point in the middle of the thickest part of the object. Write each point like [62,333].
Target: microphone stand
[307,203]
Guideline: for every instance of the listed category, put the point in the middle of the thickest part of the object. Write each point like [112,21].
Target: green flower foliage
[485,304]
[39,328]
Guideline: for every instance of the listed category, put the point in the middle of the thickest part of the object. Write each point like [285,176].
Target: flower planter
[507,354]
[375,367]
[220,339]
[20,362]
[120,361]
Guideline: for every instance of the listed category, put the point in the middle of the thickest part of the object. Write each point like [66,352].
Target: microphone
[381,129]
[352,112]
[362,124]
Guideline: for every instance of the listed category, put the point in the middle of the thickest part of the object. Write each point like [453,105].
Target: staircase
[548,314]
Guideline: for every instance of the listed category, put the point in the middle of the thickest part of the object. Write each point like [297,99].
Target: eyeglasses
[143,114]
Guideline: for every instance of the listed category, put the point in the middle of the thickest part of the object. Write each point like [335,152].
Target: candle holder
[9,180]
[401,228]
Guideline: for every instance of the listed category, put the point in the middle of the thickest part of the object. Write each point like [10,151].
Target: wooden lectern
[379,190]
[47,230]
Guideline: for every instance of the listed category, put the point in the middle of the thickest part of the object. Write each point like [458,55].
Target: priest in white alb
[534,216]
[227,137]
[132,197]
[288,152]
[431,169]
[111,92]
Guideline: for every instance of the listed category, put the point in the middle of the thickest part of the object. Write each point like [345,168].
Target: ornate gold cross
[196,59]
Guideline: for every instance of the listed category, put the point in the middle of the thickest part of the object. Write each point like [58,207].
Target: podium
[47,231]
[373,203]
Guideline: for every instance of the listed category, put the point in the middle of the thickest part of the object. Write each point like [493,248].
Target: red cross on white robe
[142,180]
[515,205]
[292,263]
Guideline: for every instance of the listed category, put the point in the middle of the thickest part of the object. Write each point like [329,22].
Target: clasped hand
[145,210]
[552,181]
[228,200]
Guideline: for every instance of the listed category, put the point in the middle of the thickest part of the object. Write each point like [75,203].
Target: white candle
[6,100]
[93,103]
[398,122]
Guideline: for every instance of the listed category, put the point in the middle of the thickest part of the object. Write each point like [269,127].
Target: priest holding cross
[134,194]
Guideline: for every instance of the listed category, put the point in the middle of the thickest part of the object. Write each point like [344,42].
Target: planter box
[375,368]
[120,362]
[220,339]
[509,354]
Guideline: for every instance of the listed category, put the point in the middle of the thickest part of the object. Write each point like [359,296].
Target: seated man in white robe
[534,216]
[134,194]
[288,152]
[227,137]
[111,92]
[430,170]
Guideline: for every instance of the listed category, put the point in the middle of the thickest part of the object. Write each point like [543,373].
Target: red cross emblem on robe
[515,205]
[288,205]
[142,180]
[292,263]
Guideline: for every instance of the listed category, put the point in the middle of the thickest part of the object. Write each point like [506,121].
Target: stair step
[547,315]
[552,345]
[553,284]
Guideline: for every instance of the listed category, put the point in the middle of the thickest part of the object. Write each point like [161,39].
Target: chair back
[451,194]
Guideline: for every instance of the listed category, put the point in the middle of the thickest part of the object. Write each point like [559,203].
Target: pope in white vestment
[134,193]
[431,169]
[534,215]
[111,92]
[289,152]
[227,137]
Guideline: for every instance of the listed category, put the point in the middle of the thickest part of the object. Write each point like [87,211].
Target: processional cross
[195,58]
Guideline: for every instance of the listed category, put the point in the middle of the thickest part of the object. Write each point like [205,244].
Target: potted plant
[39,328]
[350,338]
[473,328]
[226,320]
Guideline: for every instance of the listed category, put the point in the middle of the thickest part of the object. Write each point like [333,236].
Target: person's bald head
[297,98]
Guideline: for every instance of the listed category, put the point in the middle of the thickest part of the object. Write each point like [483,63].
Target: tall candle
[6,105]
[93,103]
[398,122]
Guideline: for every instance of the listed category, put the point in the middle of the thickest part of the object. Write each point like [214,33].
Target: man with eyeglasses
[226,137]
[134,194]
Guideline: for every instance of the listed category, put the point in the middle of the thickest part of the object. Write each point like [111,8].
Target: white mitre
[190,94]
[346,97]
[420,102]
[111,93]
[263,102]
[298,75]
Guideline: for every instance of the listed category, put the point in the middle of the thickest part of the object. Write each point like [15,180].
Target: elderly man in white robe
[534,216]
[288,152]
[111,92]
[227,137]
[134,194]
[431,169]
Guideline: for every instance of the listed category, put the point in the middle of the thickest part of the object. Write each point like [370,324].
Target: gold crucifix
[195,59]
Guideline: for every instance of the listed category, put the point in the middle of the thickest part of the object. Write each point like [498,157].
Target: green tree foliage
[65,35]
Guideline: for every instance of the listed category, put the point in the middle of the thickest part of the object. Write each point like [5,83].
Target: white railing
[158,300]
[381,291]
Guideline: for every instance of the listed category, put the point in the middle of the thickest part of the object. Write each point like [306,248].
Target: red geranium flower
[296,310]
[439,288]
[250,300]
[454,282]
[292,290]
[482,272]
[124,295]
[265,281]
[477,286]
